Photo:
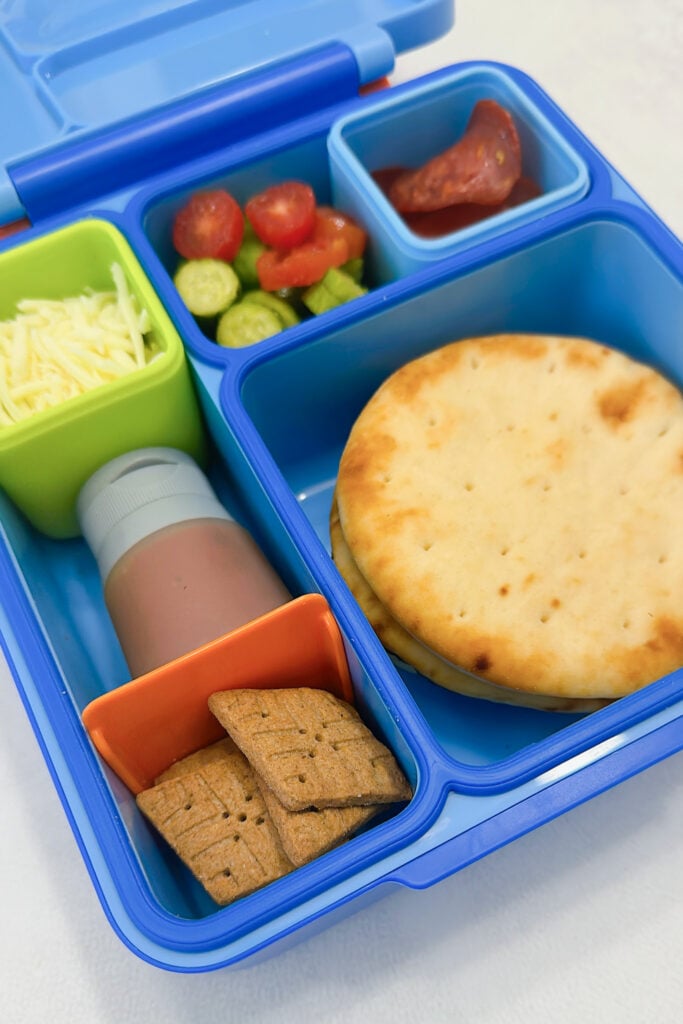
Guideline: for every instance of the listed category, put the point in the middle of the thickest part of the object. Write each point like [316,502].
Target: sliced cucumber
[244,263]
[334,289]
[207,286]
[269,300]
[245,323]
[354,268]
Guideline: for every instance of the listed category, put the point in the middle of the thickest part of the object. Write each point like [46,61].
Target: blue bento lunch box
[121,120]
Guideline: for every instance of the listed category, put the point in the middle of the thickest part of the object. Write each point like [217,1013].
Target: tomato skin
[210,225]
[331,223]
[283,216]
[336,239]
[301,266]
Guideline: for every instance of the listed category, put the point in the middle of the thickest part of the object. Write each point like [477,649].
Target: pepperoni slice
[436,223]
[482,167]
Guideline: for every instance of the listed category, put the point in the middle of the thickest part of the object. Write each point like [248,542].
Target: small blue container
[100,136]
[411,124]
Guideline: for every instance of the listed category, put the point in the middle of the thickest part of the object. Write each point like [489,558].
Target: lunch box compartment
[47,457]
[143,727]
[56,585]
[302,160]
[601,278]
[409,125]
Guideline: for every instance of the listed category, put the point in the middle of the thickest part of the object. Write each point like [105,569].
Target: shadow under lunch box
[97,140]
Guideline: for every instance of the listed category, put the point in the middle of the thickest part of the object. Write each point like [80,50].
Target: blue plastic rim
[76,72]
[279,414]
[413,123]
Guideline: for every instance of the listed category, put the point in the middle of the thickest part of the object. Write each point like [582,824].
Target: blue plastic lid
[74,68]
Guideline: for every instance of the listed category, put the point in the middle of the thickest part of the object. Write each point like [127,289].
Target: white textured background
[580,922]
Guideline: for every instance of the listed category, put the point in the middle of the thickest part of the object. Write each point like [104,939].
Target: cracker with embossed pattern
[514,504]
[221,751]
[216,820]
[310,747]
[308,834]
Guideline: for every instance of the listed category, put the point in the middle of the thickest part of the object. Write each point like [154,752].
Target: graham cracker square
[221,751]
[310,748]
[308,834]
[216,820]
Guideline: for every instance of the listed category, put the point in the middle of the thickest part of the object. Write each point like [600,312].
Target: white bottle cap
[139,493]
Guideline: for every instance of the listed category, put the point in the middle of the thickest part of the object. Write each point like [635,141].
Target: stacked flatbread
[508,515]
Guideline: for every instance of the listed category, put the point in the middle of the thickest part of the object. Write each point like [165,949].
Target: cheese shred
[53,350]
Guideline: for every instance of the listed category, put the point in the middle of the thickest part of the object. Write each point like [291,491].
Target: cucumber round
[246,323]
[245,261]
[207,286]
[282,309]
[332,290]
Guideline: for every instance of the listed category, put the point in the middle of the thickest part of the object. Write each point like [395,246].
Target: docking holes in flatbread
[513,506]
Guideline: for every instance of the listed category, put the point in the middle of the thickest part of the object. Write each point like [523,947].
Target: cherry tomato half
[335,240]
[331,223]
[283,216]
[210,225]
[301,266]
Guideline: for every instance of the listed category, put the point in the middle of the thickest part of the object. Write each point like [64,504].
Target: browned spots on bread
[580,354]
[521,346]
[403,384]
[666,637]
[518,458]
[358,457]
[397,639]
[620,404]
[408,382]
[643,663]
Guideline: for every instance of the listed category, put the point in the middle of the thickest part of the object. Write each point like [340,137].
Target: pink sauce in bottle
[178,571]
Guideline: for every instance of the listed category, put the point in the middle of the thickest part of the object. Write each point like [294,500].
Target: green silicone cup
[46,458]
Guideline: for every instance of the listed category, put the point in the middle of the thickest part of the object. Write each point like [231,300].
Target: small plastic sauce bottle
[177,569]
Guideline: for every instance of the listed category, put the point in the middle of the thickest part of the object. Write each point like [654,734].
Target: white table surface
[581,921]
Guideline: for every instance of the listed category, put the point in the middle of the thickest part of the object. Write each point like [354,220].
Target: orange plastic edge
[375,86]
[146,725]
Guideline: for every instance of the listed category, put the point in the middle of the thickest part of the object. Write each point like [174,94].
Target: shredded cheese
[53,350]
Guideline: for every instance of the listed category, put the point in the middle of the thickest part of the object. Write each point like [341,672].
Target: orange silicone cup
[144,726]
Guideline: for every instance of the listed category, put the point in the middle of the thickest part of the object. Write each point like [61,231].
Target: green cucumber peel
[269,300]
[207,286]
[246,259]
[246,323]
[333,289]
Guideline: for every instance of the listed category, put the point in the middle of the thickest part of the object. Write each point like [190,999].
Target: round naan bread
[514,505]
[426,662]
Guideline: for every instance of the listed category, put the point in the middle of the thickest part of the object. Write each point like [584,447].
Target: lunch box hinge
[86,167]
